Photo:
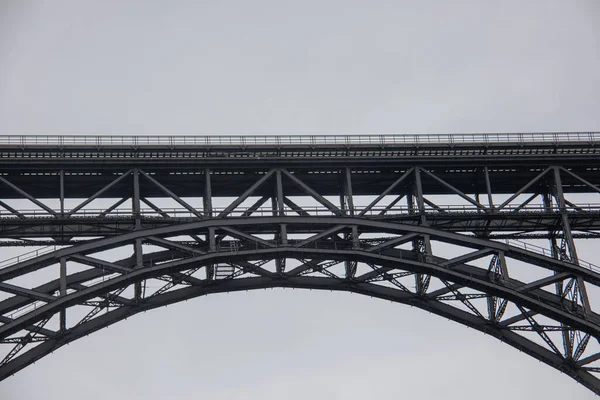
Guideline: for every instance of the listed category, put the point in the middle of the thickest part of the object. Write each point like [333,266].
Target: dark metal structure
[479,228]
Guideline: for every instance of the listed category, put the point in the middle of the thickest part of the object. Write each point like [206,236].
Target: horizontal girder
[513,223]
[227,181]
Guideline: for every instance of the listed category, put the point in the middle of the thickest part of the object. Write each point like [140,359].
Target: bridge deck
[92,162]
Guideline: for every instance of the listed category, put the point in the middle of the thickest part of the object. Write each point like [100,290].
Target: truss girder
[392,245]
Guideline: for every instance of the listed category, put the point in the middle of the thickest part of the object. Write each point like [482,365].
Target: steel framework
[477,228]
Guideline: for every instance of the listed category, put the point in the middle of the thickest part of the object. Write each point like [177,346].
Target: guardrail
[545,252]
[283,140]
[313,210]
[27,256]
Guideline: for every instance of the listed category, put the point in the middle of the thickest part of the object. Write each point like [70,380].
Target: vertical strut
[350,203]
[421,246]
[62,192]
[138,224]
[347,204]
[138,264]
[279,210]
[564,217]
[63,292]
[208,213]
[348,191]
[280,207]
[207,199]
[135,200]
[488,187]
[62,202]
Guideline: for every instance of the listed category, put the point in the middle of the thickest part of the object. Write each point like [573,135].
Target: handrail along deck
[288,140]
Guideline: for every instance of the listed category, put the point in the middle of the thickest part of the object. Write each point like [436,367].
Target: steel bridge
[478,228]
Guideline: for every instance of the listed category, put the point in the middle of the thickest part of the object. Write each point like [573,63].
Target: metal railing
[545,252]
[235,246]
[312,210]
[27,256]
[283,140]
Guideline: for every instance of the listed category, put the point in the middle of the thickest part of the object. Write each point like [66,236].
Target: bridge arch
[389,268]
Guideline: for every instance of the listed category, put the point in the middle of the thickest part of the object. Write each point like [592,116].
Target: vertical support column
[274,208]
[348,191]
[212,244]
[348,197]
[547,201]
[423,250]
[421,206]
[207,205]
[63,292]
[139,263]
[343,200]
[554,248]
[139,260]
[135,200]
[410,202]
[278,210]
[62,203]
[137,250]
[560,198]
[488,187]
[62,193]
[418,189]
[208,211]
[280,207]
[207,199]
[350,202]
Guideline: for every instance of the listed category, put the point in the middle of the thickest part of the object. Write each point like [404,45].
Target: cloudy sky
[277,67]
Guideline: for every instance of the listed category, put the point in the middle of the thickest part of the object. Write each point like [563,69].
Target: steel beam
[387,191]
[313,193]
[98,193]
[28,196]
[246,194]
[171,194]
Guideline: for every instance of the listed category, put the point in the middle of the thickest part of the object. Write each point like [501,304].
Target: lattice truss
[504,265]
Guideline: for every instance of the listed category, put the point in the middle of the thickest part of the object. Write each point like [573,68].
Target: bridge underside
[484,234]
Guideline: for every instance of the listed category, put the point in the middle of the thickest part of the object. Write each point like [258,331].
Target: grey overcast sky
[277,67]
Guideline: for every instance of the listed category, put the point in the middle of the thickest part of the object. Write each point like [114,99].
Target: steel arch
[511,338]
[531,299]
